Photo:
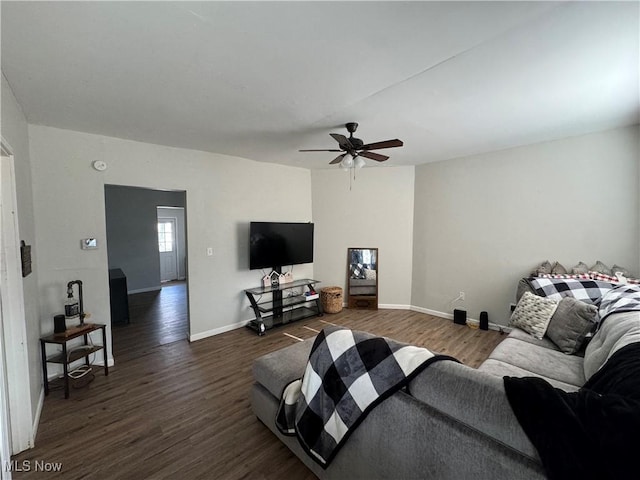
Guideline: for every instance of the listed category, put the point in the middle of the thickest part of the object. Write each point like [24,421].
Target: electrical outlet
[209,251]
[461,296]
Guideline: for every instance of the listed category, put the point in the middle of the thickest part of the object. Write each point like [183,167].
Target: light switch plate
[89,243]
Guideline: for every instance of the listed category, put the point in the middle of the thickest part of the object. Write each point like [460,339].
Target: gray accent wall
[132,232]
[483,222]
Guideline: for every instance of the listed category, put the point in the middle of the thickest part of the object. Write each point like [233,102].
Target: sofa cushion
[476,398]
[532,314]
[520,358]
[618,330]
[277,369]
[502,369]
[571,323]
[526,337]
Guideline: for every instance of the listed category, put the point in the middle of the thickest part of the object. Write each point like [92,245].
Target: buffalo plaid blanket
[589,291]
[348,374]
[623,298]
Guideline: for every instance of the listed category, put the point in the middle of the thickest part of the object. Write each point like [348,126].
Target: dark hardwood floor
[157,318]
[181,410]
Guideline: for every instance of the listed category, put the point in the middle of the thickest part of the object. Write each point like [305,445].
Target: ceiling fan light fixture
[347,161]
[359,162]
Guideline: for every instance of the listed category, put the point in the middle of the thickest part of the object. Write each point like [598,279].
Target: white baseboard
[388,306]
[36,418]
[143,290]
[394,306]
[428,311]
[218,331]
[472,321]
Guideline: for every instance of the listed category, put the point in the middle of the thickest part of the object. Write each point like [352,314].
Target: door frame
[14,361]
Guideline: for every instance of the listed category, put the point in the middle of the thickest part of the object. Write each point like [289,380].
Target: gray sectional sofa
[453,421]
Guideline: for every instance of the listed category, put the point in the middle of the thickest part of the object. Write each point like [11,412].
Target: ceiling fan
[354,148]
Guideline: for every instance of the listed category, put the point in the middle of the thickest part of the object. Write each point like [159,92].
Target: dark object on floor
[460,317]
[118,296]
[484,321]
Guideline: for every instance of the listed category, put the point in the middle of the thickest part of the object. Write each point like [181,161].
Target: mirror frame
[362,301]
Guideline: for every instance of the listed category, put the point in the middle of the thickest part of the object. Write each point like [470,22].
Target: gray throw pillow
[601,268]
[533,313]
[570,324]
[558,268]
[580,268]
[622,270]
[544,267]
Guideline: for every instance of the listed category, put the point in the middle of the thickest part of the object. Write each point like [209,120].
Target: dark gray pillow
[570,324]
[558,268]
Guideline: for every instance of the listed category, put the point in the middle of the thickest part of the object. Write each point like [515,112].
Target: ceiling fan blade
[342,140]
[373,156]
[338,159]
[334,150]
[385,144]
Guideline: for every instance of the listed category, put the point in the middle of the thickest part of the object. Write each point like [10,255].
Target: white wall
[223,195]
[376,212]
[482,222]
[15,132]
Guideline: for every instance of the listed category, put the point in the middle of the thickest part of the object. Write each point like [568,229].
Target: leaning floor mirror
[362,278]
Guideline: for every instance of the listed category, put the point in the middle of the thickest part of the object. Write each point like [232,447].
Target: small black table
[118,296]
[66,357]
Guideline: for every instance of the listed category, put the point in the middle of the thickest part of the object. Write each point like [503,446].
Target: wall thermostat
[99,165]
[89,243]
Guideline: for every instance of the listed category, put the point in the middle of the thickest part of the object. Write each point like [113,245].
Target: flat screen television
[277,244]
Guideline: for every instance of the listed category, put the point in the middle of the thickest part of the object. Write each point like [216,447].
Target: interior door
[167,249]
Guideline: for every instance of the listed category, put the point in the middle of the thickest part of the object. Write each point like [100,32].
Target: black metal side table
[66,356]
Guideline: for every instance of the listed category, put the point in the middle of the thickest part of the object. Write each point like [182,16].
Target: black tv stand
[281,309]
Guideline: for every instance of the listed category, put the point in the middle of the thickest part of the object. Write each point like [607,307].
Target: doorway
[146,239]
[171,242]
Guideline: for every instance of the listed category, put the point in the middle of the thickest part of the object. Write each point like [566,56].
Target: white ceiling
[262,80]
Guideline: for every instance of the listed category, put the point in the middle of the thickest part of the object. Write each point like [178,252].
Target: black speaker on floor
[484,321]
[59,324]
[460,317]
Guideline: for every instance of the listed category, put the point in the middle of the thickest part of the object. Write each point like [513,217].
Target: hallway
[157,318]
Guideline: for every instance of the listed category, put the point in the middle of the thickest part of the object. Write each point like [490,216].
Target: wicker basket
[331,298]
